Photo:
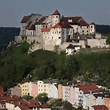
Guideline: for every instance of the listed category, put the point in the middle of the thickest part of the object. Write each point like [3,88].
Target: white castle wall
[96,43]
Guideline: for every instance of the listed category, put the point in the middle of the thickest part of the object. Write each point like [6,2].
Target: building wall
[42,87]
[16,91]
[96,43]
[66,93]
[33,91]
[60,95]
[53,91]
[107,102]
[25,88]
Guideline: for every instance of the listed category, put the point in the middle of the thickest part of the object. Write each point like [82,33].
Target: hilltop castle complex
[58,31]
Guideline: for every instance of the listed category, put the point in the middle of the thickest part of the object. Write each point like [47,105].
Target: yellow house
[25,88]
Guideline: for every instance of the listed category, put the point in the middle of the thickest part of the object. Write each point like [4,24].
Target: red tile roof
[83,23]
[87,87]
[1,91]
[92,23]
[44,106]
[62,25]
[56,12]
[23,107]
[41,21]
[100,107]
[25,19]
[30,26]
[45,29]
[74,20]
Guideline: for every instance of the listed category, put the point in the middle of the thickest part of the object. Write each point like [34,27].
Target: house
[25,88]
[53,91]
[16,90]
[71,49]
[33,89]
[42,87]
[66,93]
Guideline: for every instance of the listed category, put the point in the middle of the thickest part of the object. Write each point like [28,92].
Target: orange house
[60,91]
[107,102]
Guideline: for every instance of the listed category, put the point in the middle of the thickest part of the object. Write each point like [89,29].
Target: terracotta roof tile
[41,21]
[83,23]
[73,20]
[87,87]
[44,106]
[25,19]
[56,12]
[92,23]
[62,25]
[100,107]
[45,29]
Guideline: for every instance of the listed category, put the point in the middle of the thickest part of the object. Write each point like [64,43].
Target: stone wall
[100,43]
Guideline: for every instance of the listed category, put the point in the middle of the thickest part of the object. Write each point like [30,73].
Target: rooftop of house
[56,12]
[25,19]
[100,107]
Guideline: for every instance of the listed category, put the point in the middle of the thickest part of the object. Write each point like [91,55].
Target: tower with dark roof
[55,17]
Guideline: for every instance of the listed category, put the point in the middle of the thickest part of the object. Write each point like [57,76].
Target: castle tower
[92,28]
[55,17]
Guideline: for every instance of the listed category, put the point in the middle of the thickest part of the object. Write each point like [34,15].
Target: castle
[56,32]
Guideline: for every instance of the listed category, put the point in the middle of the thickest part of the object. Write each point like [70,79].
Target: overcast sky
[12,11]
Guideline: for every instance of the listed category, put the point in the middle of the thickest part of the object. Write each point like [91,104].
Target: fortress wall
[96,43]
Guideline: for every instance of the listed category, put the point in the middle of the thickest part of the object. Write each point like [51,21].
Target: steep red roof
[92,23]
[25,19]
[100,107]
[62,25]
[30,26]
[1,91]
[83,23]
[45,29]
[73,20]
[41,20]
[56,12]
[87,87]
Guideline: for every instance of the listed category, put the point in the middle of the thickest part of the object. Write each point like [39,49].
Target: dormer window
[70,20]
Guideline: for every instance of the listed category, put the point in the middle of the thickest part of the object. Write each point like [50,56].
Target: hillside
[7,34]
[16,65]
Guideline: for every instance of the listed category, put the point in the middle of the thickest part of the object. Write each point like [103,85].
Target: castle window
[59,37]
[91,26]
[82,30]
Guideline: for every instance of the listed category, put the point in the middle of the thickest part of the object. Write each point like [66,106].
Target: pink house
[33,89]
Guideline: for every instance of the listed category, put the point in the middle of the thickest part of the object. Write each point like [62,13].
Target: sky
[12,11]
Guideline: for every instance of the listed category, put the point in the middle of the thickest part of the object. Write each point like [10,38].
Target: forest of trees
[16,65]
[7,34]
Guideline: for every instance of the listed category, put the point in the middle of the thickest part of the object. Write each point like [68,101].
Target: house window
[59,37]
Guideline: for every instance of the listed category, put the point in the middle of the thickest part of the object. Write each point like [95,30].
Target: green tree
[27,97]
[42,97]
[108,39]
